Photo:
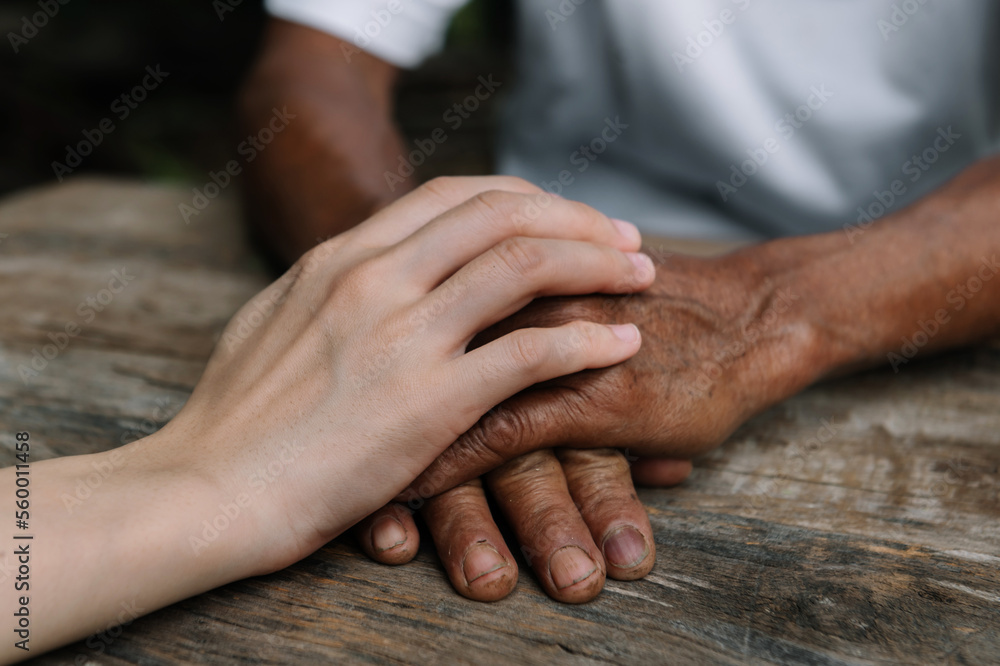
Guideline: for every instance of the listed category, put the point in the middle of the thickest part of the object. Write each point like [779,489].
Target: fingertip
[472,550]
[629,233]
[628,552]
[489,575]
[580,593]
[645,271]
[392,538]
[576,576]
[628,333]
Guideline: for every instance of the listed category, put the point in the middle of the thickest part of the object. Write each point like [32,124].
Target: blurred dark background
[63,80]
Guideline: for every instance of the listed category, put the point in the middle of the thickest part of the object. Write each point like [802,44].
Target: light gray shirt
[729,119]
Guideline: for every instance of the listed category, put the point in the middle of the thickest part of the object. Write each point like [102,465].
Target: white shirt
[736,119]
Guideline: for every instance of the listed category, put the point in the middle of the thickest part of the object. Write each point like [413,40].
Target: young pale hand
[359,377]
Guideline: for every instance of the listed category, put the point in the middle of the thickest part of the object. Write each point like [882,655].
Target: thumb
[527,422]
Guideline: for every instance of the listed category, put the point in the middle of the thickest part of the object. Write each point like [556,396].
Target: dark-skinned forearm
[922,280]
[325,173]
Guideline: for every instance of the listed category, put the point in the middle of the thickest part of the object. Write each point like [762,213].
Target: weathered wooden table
[856,523]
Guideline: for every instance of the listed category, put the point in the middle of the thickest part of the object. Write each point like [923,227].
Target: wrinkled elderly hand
[721,342]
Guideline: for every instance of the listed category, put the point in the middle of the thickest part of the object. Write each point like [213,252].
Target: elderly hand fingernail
[569,565]
[387,533]
[481,559]
[625,547]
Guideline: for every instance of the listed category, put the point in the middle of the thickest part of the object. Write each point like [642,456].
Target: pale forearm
[111,541]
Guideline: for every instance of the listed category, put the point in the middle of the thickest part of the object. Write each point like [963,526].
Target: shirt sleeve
[401,32]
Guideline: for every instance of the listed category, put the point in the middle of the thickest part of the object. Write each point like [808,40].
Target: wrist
[247,520]
[216,534]
[788,345]
[126,516]
[854,298]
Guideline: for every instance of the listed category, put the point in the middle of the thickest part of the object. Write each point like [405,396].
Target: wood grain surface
[856,523]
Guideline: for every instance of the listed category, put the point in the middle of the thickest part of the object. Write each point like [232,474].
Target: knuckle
[530,479]
[453,190]
[351,287]
[481,448]
[496,204]
[580,337]
[500,431]
[606,462]
[317,255]
[520,256]
[587,215]
[529,465]
[603,486]
[518,184]
[614,463]
[363,276]
[497,212]
[526,352]
[550,522]
[446,188]
[454,506]
[354,286]
[307,262]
